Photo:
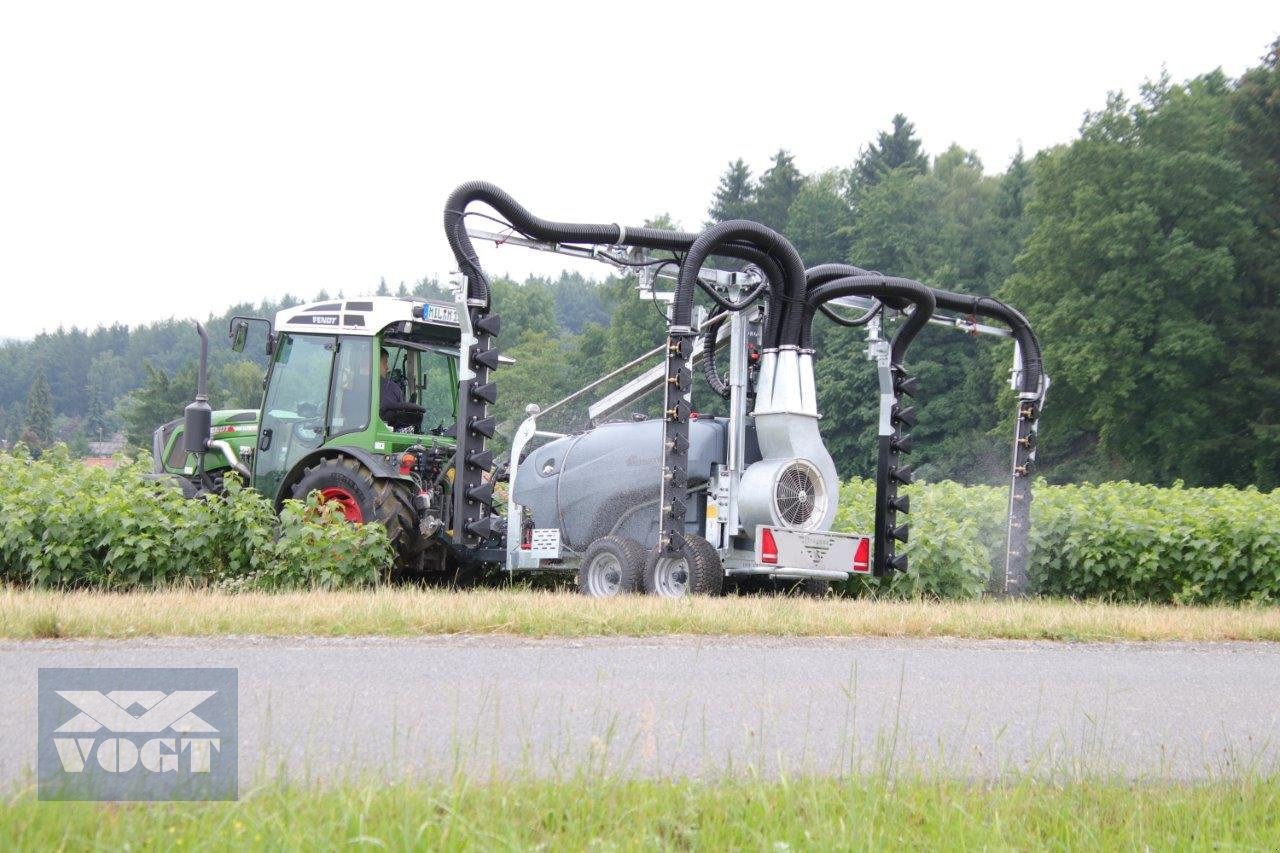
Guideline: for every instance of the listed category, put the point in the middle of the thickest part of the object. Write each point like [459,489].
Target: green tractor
[359,404]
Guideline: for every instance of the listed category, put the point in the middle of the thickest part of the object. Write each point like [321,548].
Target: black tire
[694,570]
[752,584]
[611,566]
[217,484]
[387,502]
[459,575]
[809,588]
[715,567]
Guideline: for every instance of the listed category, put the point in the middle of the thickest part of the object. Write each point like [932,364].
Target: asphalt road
[700,706]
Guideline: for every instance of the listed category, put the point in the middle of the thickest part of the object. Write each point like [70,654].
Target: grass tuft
[44,625]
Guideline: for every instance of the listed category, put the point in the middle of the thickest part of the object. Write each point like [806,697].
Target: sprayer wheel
[611,566]
[694,570]
[809,588]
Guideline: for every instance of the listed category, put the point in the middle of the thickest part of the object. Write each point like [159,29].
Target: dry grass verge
[32,614]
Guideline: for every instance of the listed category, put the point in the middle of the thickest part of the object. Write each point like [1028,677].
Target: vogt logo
[137,734]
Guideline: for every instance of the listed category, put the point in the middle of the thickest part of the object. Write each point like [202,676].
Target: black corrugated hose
[983,306]
[718,385]
[545,230]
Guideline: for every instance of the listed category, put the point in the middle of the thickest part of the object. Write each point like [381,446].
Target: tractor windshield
[293,412]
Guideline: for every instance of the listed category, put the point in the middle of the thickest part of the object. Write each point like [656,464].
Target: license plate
[442,314]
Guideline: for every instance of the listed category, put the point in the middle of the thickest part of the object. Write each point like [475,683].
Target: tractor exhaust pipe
[198,416]
[197,434]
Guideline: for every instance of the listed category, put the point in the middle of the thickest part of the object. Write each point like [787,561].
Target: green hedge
[1118,541]
[63,524]
[66,525]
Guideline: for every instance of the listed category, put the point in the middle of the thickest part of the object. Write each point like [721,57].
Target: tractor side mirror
[239,333]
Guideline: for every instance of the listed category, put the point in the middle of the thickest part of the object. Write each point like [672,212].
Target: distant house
[108,448]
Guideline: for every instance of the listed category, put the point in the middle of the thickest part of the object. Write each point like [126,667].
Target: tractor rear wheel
[363,499]
[695,569]
[611,566]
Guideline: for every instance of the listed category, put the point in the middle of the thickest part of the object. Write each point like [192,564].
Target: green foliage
[238,386]
[68,525]
[318,548]
[735,196]
[1133,274]
[897,149]
[39,418]
[956,533]
[1131,542]
[95,419]
[779,186]
[1254,133]
[1118,541]
[528,307]
[819,217]
[954,227]
[65,525]
[160,400]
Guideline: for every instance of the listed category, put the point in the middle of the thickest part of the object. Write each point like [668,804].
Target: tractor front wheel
[363,499]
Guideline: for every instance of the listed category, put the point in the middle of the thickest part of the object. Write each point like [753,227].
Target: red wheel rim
[350,508]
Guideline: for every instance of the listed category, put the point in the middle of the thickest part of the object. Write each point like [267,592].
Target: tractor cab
[373,376]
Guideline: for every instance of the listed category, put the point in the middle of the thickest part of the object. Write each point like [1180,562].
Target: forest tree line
[1145,252]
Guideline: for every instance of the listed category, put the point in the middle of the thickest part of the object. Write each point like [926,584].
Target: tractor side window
[350,401]
[437,388]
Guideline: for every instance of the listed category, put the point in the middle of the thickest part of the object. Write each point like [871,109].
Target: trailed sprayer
[382,405]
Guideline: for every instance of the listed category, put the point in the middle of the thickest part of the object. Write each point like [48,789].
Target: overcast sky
[169,159]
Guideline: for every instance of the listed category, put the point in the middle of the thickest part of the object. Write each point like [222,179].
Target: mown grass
[631,815]
[33,614]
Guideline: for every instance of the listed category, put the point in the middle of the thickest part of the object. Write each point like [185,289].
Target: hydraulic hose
[854,322]
[774,286]
[889,290]
[712,241]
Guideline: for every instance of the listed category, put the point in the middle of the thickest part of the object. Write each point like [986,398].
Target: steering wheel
[308,431]
[402,415]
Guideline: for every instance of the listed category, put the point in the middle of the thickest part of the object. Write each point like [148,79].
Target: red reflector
[407,461]
[862,557]
[526,538]
[768,547]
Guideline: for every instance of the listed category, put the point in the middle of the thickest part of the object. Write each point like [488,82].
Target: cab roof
[367,315]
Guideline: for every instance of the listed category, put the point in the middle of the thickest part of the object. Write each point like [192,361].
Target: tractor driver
[391,392]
